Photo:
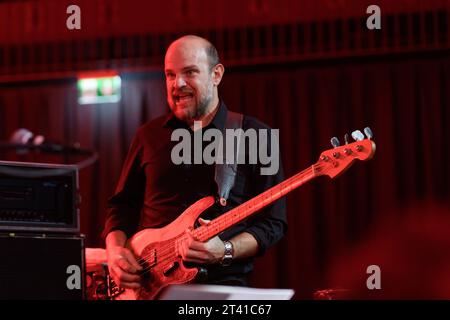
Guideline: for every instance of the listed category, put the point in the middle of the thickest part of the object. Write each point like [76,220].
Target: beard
[202,107]
[194,111]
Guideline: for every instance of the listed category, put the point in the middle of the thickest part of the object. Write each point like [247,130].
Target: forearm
[116,238]
[244,245]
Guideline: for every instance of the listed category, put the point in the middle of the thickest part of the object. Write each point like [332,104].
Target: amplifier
[42,267]
[39,197]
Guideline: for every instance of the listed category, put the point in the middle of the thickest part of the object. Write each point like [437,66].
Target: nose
[179,81]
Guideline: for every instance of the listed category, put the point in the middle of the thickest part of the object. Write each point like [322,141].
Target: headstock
[334,161]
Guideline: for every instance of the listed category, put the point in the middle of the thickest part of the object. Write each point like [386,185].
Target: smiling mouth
[183,97]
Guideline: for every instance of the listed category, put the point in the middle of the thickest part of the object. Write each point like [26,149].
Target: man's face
[189,81]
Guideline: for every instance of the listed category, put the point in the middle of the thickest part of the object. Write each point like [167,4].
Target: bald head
[193,73]
[198,42]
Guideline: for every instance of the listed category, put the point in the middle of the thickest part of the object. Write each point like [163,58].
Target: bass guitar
[158,250]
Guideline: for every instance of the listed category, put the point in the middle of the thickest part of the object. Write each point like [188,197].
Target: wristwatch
[228,256]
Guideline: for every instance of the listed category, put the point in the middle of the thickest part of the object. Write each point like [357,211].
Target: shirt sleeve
[269,225]
[124,207]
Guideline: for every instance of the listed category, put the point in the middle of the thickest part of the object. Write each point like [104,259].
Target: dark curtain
[404,100]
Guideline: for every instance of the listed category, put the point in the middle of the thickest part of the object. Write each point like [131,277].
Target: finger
[130,285]
[188,238]
[127,277]
[197,255]
[132,260]
[197,245]
[196,261]
[121,279]
[184,247]
[204,222]
[181,249]
[126,266]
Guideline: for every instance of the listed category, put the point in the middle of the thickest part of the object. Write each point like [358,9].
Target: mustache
[179,92]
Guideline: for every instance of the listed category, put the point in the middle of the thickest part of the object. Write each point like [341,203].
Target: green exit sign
[100,89]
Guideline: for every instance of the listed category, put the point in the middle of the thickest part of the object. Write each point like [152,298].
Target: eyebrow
[184,69]
[190,67]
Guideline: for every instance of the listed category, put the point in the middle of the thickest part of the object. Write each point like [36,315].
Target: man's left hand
[209,252]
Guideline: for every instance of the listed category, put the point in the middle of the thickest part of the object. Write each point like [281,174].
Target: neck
[208,116]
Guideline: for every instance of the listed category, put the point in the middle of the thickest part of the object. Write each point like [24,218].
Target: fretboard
[253,205]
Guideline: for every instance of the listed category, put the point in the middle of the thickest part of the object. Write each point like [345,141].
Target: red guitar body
[159,248]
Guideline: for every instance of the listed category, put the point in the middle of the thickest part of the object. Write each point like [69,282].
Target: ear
[217,73]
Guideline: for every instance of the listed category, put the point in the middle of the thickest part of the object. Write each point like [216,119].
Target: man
[153,191]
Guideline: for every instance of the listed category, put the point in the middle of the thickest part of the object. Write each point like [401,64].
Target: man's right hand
[123,267]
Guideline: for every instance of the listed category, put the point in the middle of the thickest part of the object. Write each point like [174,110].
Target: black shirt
[152,191]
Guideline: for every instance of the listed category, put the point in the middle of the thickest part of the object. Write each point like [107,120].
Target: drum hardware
[99,283]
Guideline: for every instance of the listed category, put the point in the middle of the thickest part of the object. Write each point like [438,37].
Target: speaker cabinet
[42,267]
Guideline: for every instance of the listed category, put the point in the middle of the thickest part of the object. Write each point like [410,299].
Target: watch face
[227,260]
[228,248]
[228,257]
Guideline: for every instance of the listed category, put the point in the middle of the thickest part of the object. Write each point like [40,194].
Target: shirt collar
[218,121]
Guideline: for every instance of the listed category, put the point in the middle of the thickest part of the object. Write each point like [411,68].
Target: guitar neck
[253,205]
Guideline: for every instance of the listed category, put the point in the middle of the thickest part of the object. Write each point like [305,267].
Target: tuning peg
[335,142]
[357,135]
[368,132]
[346,138]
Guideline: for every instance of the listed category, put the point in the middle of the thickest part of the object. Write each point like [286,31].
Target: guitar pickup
[167,271]
[151,260]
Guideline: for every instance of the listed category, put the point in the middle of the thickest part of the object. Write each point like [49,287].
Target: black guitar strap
[225,174]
